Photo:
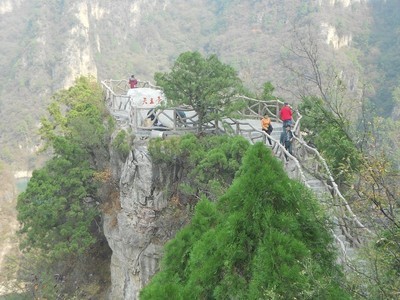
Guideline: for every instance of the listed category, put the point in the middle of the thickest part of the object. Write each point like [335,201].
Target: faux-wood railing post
[175,117]
[264,139]
[135,117]
[114,101]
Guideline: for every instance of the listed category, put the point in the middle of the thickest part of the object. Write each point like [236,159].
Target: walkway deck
[306,164]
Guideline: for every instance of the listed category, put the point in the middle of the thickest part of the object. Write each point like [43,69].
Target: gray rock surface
[136,233]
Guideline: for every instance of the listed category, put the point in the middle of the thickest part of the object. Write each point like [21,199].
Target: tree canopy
[207,163]
[266,238]
[53,211]
[206,84]
[330,135]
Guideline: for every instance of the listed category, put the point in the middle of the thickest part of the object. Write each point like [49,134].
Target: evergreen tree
[266,238]
[53,211]
[205,84]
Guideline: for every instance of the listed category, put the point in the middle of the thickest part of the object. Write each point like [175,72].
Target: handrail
[258,108]
[280,151]
[122,85]
[255,109]
[332,186]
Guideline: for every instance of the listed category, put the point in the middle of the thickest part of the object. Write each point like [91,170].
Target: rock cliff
[147,218]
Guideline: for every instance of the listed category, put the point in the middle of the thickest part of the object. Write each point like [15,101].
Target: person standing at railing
[266,126]
[132,82]
[180,117]
[286,115]
[151,115]
[286,140]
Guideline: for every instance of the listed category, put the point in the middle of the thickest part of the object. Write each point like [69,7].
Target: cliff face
[147,218]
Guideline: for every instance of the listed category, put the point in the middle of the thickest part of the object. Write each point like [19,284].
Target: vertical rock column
[131,234]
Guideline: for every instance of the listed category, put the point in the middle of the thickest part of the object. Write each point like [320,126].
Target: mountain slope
[45,46]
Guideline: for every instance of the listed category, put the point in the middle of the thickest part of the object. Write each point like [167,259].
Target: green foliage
[53,211]
[266,238]
[268,90]
[70,277]
[329,134]
[166,151]
[206,84]
[381,266]
[267,94]
[178,254]
[384,139]
[209,162]
[77,113]
[122,144]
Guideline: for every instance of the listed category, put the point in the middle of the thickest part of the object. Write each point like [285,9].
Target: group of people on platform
[286,138]
[285,114]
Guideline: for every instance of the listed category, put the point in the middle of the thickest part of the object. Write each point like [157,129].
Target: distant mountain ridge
[45,46]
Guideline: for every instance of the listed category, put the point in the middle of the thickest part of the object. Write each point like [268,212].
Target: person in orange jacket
[266,126]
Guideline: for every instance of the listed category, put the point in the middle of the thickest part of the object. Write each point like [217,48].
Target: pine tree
[266,238]
[53,212]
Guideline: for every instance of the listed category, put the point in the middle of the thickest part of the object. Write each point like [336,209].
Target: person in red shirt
[286,115]
[132,82]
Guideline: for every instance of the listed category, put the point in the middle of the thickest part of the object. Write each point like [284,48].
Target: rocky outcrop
[344,3]
[146,220]
[333,38]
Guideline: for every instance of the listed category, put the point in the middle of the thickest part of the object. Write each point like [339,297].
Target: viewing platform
[146,111]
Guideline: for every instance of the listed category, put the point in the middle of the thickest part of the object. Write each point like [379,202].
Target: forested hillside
[45,46]
[337,62]
[382,51]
